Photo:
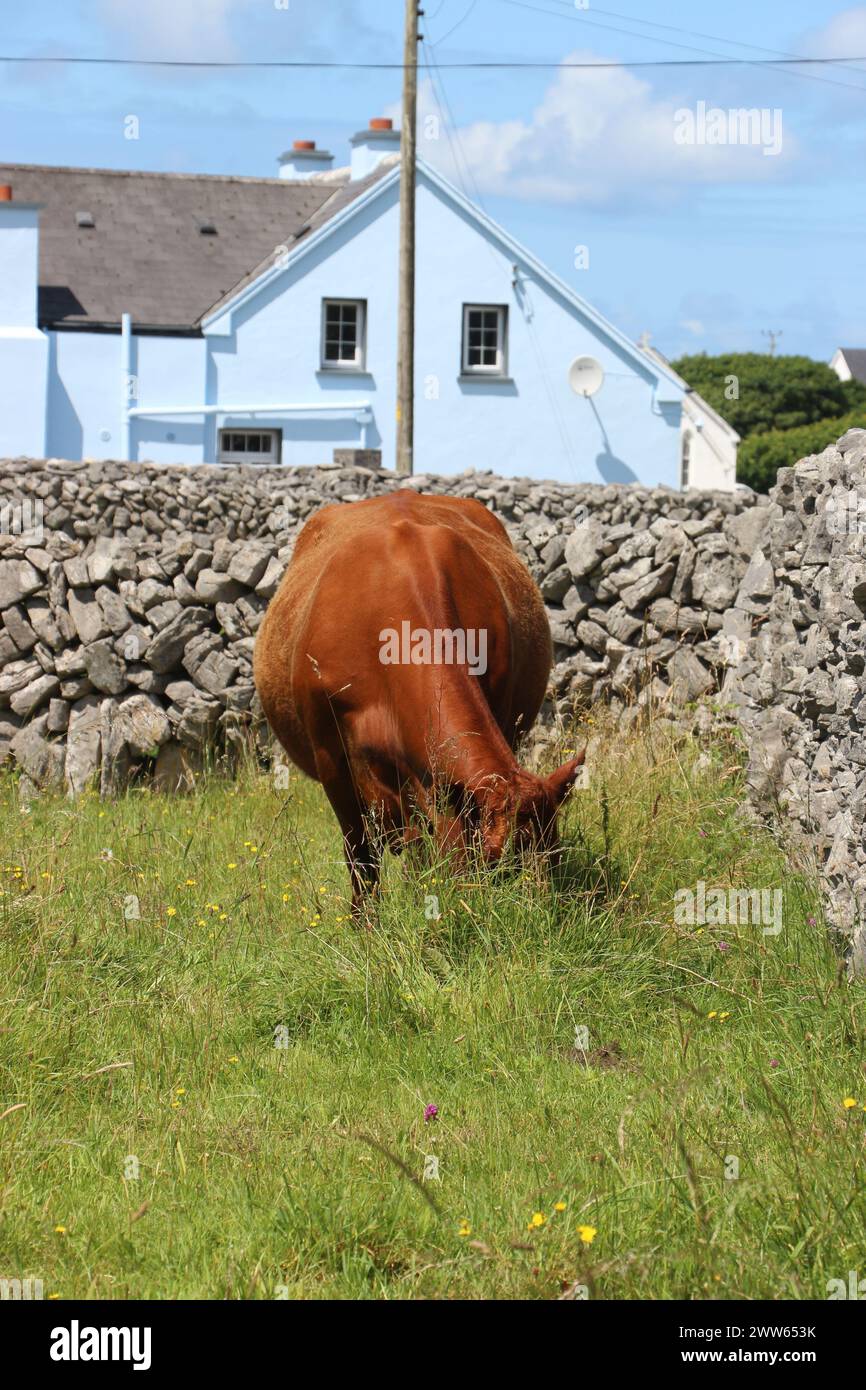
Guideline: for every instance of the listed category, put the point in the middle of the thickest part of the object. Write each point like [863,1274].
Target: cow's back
[361,568]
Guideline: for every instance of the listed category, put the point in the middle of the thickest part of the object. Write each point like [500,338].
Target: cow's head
[522,810]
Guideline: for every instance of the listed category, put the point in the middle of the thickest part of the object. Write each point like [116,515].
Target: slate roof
[856,359]
[341,198]
[145,255]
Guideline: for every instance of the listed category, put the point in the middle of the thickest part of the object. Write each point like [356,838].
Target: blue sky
[703,247]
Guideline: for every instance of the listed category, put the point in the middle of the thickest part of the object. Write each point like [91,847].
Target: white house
[194,318]
[849,363]
[708,444]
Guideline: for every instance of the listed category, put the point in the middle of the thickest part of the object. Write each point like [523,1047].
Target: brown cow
[362,676]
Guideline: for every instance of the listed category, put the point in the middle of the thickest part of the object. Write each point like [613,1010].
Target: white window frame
[501,366]
[359,362]
[259,458]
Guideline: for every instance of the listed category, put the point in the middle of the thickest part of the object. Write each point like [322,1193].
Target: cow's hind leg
[362,852]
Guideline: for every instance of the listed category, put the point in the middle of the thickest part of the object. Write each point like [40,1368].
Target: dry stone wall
[800,682]
[131,595]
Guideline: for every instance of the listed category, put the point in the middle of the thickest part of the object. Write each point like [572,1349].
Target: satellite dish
[585,376]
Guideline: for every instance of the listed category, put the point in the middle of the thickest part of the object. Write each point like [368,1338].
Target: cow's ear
[560,782]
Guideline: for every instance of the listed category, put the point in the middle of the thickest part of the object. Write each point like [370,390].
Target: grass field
[225,1096]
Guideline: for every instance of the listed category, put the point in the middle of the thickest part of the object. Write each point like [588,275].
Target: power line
[542,64]
[455,27]
[784,61]
[695,33]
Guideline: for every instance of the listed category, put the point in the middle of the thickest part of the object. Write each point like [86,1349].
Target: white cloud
[596,138]
[222,30]
[176,28]
[845,33]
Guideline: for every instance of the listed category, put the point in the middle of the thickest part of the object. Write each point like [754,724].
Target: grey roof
[146,255]
[341,198]
[856,359]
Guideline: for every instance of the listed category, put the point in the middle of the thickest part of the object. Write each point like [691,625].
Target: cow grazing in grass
[405,652]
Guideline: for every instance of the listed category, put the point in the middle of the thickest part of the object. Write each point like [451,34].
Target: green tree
[755,392]
[761,456]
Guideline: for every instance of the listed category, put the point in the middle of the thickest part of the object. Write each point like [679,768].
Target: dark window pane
[342,332]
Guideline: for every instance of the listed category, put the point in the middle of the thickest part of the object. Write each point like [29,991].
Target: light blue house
[182,318]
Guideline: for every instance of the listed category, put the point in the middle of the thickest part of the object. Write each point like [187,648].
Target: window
[687,454]
[250,446]
[343,334]
[484,339]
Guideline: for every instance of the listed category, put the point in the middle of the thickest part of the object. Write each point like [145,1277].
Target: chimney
[371,146]
[304,160]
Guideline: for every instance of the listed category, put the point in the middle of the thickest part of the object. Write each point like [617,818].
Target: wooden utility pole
[406,311]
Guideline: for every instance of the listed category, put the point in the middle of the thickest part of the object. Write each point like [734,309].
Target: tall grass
[224,1096]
